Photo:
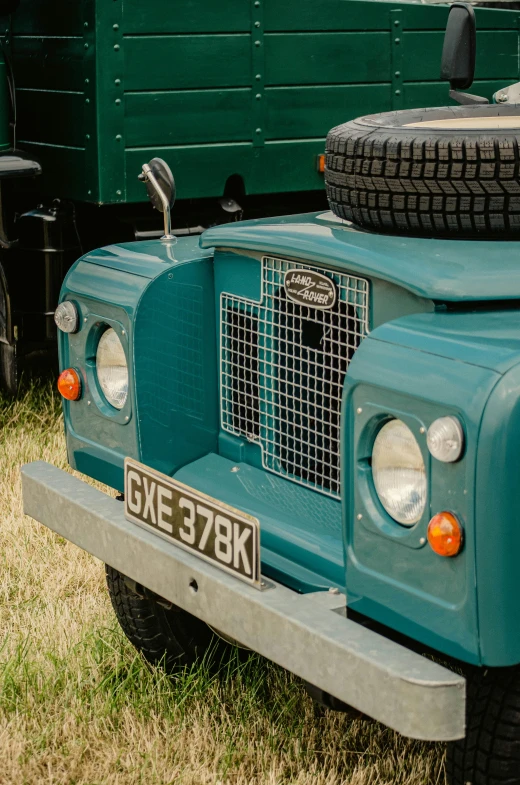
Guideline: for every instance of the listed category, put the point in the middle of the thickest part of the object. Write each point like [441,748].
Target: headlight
[399,473]
[112,370]
[66,317]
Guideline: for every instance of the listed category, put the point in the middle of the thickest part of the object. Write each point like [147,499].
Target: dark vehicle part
[8,6]
[232,207]
[164,633]
[442,171]
[35,269]
[15,163]
[489,755]
[8,375]
[458,53]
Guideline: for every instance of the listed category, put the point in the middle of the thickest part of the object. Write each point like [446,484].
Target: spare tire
[444,171]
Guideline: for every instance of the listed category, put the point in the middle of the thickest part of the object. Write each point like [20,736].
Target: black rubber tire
[490,753]
[387,177]
[164,633]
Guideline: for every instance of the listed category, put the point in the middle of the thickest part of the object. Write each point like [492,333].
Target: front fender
[159,298]
[419,368]
[497,524]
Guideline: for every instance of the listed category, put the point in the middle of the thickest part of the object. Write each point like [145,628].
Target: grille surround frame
[257,383]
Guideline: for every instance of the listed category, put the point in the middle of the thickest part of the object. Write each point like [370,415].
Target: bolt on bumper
[305,633]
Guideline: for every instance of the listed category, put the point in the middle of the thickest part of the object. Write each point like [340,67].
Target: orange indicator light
[445,534]
[320,163]
[69,384]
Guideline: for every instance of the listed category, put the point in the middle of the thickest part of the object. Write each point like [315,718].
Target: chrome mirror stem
[149,175]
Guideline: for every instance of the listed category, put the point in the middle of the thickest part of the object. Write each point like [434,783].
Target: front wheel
[490,753]
[164,633]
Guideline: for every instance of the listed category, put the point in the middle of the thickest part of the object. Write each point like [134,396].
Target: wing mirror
[160,185]
[458,53]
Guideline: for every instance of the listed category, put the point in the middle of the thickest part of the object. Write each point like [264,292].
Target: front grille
[282,371]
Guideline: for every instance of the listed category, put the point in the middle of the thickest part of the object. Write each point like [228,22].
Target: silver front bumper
[305,633]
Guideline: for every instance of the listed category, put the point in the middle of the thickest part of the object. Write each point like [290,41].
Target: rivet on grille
[359,410]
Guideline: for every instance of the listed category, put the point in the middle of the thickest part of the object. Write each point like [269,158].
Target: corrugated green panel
[48,63]
[327,58]
[190,16]
[106,109]
[187,117]
[202,171]
[292,15]
[187,61]
[63,170]
[436,93]
[420,17]
[497,55]
[59,117]
[294,112]
[49,17]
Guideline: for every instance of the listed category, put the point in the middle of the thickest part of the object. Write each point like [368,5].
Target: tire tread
[395,180]
[490,753]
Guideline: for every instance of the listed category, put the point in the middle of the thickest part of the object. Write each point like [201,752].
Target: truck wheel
[437,172]
[165,634]
[490,753]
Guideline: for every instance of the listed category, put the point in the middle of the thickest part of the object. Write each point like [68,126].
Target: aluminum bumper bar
[304,633]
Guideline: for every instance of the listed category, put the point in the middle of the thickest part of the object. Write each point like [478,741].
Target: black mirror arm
[466,99]
[148,175]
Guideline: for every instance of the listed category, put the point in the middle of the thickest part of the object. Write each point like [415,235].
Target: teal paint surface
[497,523]
[392,575]
[419,368]
[489,339]
[109,286]
[450,270]
[96,423]
[301,531]
[175,366]
[416,364]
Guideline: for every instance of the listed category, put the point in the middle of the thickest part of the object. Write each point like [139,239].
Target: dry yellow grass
[79,705]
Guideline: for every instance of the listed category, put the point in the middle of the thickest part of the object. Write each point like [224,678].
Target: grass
[79,706]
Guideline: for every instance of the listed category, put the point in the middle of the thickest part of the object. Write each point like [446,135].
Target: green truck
[237,98]
[313,423]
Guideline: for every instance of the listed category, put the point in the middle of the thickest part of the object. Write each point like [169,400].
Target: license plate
[198,523]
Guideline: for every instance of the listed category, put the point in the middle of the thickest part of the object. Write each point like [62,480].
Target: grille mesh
[282,371]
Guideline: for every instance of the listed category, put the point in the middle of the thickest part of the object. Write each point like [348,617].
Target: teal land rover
[314,425]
